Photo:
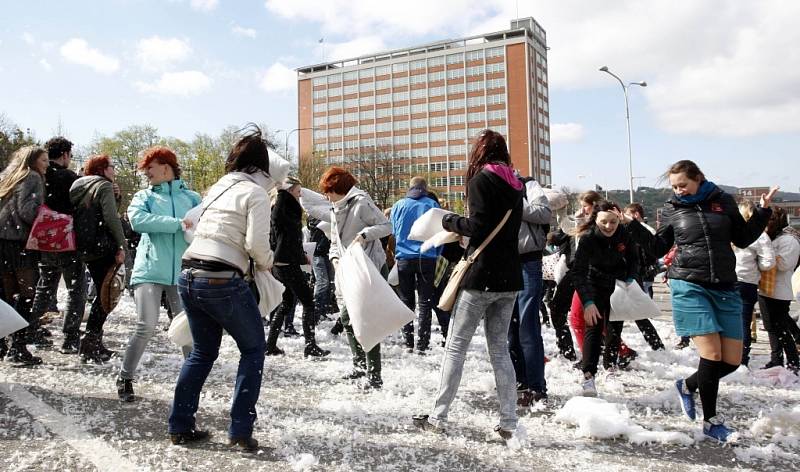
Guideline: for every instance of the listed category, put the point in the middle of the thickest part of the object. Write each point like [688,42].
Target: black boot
[189,436]
[90,349]
[103,349]
[338,327]
[71,344]
[125,390]
[19,354]
[249,444]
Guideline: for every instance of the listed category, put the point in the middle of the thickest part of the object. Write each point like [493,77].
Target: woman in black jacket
[703,221]
[287,244]
[489,288]
[605,254]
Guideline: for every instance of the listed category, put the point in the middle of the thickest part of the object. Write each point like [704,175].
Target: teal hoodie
[156,213]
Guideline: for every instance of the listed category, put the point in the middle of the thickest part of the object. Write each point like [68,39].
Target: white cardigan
[787,250]
[754,259]
[235,226]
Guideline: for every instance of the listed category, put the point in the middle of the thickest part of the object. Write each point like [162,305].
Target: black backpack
[92,236]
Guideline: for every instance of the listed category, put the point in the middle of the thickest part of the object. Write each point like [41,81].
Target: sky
[723,77]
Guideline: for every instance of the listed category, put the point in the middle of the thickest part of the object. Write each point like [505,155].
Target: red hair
[336,180]
[162,155]
[97,165]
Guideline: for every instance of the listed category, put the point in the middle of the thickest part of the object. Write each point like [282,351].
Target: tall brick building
[422,106]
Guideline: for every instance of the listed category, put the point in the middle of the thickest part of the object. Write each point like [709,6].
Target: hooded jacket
[601,260]
[787,252]
[156,213]
[535,215]
[316,235]
[356,214]
[85,191]
[491,193]
[754,259]
[286,238]
[404,213]
[236,223]
[703,229]
[18,208]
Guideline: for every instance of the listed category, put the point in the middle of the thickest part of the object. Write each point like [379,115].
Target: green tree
[11,139]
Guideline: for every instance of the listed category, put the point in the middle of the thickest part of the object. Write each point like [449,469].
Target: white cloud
[350,49]
[45,65]
[156,53]
[186,83]
[244,32]
[715,67]
[28,38]
[566,132]
[77,51]
[278,78]
[204,5]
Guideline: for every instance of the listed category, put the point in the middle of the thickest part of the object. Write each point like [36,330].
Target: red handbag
[51,232]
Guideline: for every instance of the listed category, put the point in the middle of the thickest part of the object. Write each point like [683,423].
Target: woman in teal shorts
[703,221]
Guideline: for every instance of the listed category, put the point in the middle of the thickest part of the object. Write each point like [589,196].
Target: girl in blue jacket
[157,213]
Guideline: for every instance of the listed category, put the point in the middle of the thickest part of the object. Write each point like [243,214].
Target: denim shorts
[697,310]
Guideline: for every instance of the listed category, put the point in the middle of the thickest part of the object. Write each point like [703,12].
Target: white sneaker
[589,390]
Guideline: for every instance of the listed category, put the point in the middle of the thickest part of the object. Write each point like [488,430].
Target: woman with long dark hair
[776,297]
[21,194]
[703,221]
[489,288]
[233,231]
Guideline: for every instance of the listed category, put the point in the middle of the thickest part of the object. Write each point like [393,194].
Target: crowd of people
[723,258]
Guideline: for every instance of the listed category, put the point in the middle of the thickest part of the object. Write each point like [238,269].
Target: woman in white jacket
[750,262]
[233,230]
[775,298]
[356,218]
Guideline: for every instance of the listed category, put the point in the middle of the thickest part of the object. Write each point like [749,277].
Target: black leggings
[21,282]
[296,289]
[593,337]
[559,308]
[98,269]
[777,322]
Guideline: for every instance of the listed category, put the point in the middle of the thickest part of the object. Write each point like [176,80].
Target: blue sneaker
[715,428]
[686,399]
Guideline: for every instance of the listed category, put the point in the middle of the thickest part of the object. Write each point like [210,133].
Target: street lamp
[627,121]
[286,145]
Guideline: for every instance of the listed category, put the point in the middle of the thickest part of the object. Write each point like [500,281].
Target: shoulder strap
[491,236]
[215,199]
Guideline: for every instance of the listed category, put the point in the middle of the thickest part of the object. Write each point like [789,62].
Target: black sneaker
[70,345]
[249,444]
[524,398]
[355,374]
[682,344]
[290,333]
[338,328]
[374,383]
[188,437]
[275,351]
[421,422]
[21,355]
[539,396]
[772,364]
[125,390]
[312,350]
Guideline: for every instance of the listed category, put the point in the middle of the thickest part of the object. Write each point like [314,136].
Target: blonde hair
[746,208]
[19,168]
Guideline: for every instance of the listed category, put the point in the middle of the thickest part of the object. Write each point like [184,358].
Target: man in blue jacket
[415,270]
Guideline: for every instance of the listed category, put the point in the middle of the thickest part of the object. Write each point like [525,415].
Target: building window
[478,101]
[476,117]
[366,87]
[351,116]
[474,70]
[457,180]
[367,115]
[438,151]
[455,89]
[320,94]
[418,79]
[436,91]
[350,130]
[350,89]
[352,75]
[400,125]
[496,67]
[495,99]
[436,106]
[337,105]
[418,64]
[497,115]
[400,140]
[351,103]
[383,112]
[418,93]
[335,133]
[435,76]
[458,149]
[436,61]
[400,67]
[383,127]
[383,98]
[319,81]
[419,123]
[455,73]
[419,138]
[366,101]
[456,134]
[383,70]
[337,118]
[418,108]
[475,55]
[495,52]
[437,121]
[335,78]
[397,111]
[365,73]
[495,83]
[400,96]
[400,82]
[455,119]
[335,92]
[438,136]
[320,107]
[319,121]
[475,86]
[383,84]
[455,58]
[454,104]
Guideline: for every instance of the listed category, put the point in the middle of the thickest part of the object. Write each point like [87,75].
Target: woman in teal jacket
[157,213]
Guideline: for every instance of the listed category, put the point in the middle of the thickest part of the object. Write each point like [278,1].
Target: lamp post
[627,121]
[286,145]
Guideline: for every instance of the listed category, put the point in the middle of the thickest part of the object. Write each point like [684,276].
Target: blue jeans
[323,273]
[749,294]
[525,332]
[416,278]
[495,310]
[213,305]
